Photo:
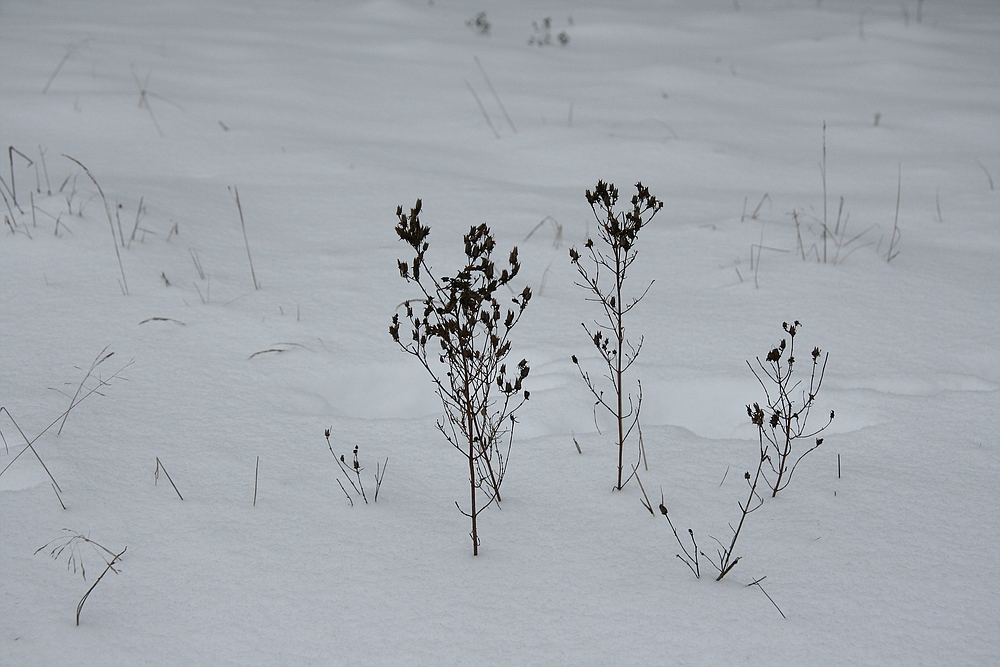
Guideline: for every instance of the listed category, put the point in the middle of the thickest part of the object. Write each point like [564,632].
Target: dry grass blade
[111,222]
[98,360]
[111,567]
[489,84]
[69,52]
[757,584]
[29,443]
[236,195]
[278,350]
[163,319]
[482,109]
[256,470]
[156,473]
[135,228]
[74,544]
[896,234]
[986,171]
[13,186]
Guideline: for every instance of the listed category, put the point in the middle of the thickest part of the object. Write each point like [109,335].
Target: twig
[144,96]
[757,584]
[208,291]
[349,499]
[896,234]
[555,226]
[255,471]
[642,445]
[981,166]
[756,211]
[689,559]
[12,218]
[111,223]
[236,195]
[163,319]
[277,350]
[489,84]
[45,170]
[823,170]
[58,497]
[645,502]
[29,444]
[55,72]
[144,103]
[98,360]
[138,214]
[197,262]
[482,109]
[379,476]
[111,567]
[13,186]
[159,467]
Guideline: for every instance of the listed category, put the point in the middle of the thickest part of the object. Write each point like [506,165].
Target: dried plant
[543,34]
[107,211]
[787,422]
[725,559]
[604,277]
[235,192]
[479,23]
[74,546]
[156,477]
[97,383]
[779,425]
[467,364]
[353,469]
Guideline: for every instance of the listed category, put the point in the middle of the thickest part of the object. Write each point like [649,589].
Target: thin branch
[482,109]
[757,584]
[98,360]
[896,234]
[111,566]
[236,195]
[111,223]
[489,84]
[255,471]
[159,467]
[69,52]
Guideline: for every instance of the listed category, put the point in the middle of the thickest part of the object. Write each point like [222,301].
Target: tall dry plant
[460,334]
[603,273]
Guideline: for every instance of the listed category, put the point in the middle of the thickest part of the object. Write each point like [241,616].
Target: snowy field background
[326,116]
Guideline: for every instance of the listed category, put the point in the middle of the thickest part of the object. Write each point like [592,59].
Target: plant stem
[79,607]
[472,485]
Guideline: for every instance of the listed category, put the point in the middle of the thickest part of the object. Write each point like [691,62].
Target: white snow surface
[328,115]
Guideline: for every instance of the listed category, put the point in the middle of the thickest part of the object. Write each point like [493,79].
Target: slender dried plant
[460,334]
[352,471]
[603,274]
[780,424]
[788,418]
[73,546]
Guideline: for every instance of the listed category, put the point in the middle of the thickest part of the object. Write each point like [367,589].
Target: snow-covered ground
[328,115]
